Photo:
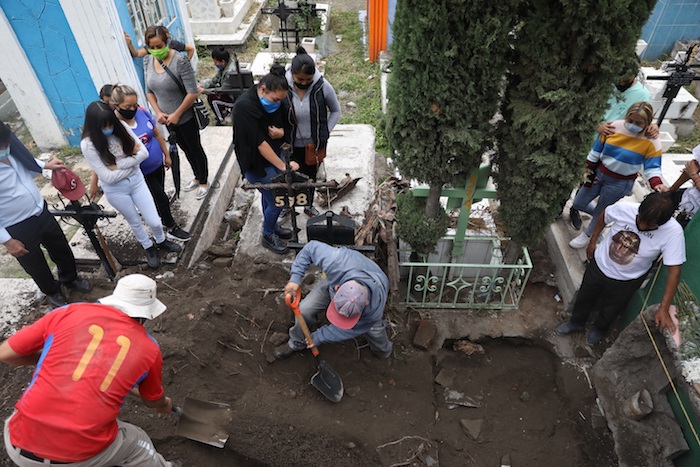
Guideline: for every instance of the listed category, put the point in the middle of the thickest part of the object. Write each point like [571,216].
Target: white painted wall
[183,13]
[27,93]
[100,37]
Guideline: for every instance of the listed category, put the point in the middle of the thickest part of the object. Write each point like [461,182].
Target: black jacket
[250,129]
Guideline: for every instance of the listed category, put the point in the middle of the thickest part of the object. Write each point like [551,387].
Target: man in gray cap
[88,357]
[353,294]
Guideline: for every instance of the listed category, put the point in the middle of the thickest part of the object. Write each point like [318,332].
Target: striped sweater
[623,154]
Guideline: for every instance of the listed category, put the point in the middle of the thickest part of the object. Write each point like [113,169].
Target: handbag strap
[172,75]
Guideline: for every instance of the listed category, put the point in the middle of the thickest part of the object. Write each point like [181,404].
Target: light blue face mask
[632,128]
[4,153]
[269,106]
[107,131]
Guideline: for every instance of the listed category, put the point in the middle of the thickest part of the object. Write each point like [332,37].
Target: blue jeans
[607,189]
[269,210]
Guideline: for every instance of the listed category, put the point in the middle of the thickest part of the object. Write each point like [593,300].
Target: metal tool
[326,380]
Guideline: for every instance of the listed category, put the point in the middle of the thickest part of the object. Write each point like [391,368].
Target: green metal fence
[479,278]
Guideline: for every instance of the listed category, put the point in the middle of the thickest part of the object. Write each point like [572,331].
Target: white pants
[127,196]
[131,448]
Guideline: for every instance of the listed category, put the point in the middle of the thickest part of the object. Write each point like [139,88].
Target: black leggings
[188,139]
[298,155]
[156,185]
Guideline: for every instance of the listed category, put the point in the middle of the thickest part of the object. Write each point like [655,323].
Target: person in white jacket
[114,153]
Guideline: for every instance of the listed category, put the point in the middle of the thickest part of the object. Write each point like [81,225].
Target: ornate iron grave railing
[479,278]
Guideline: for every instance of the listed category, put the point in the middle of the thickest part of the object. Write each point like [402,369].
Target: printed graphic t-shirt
[627,253]
[92,355]
[144,131]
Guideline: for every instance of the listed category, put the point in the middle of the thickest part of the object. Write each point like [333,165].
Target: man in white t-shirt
[638,235]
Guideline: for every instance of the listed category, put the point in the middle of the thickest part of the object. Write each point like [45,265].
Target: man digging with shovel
[352,293]
[88,357]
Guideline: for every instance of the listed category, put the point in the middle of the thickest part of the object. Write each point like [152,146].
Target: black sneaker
[311,211]
[176,233]
[81,285]
[283,351]
[152,257]
[57,300]
[169,246]
[283,232]
[575,219]
[274,244]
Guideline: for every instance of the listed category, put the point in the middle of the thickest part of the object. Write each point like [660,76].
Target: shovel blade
[327,381]
[206,422]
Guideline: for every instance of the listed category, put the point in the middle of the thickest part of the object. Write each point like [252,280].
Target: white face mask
[4,153]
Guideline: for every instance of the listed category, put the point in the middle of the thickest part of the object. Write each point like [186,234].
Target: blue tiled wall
[671,20]
[43,32]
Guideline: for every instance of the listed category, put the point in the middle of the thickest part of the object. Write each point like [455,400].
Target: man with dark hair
[220,102]
[638,235]
[88,357]
[26,224]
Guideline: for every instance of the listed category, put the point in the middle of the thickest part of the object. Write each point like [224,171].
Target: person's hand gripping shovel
[326,380]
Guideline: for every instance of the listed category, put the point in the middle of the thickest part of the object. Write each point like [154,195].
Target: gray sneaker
[152,257]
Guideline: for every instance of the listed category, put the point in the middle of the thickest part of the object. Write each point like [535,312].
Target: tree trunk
[432,203]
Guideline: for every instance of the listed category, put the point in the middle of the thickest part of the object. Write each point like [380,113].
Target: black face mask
[127,113]
[624,87]
[302,86]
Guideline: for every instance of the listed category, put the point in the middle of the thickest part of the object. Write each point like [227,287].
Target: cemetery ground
[217,337]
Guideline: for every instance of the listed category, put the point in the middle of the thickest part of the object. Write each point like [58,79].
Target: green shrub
[413,227]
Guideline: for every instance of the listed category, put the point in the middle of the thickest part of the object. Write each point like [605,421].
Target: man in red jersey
[88,357]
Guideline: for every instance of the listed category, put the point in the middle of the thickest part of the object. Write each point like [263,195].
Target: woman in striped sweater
[615,161]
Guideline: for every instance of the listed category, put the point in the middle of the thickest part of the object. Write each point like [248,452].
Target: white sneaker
[202,192]
[581,241]
[191,185]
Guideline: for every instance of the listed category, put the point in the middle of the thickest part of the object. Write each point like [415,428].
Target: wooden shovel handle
[293,303]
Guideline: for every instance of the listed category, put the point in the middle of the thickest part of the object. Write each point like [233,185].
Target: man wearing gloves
[352,293]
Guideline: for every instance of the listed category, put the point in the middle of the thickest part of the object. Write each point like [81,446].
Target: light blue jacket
[341,265]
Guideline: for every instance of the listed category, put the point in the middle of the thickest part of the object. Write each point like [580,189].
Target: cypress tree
[448,63]
[566,55]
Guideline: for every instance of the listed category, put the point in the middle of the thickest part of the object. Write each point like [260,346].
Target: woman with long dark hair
[260,130]
[142,123]
[313,114]
[114,153]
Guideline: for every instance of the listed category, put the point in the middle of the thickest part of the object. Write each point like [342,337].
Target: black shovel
[326,380]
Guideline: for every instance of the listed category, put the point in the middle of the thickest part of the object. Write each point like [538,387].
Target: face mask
[4,153]
[220,67]
[624,87]
[107,131]
[269,106]
[127,113]
[159,54]
[302,86]
[632,128]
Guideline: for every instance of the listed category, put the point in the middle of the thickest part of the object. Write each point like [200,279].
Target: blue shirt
[144,132]
[19,197]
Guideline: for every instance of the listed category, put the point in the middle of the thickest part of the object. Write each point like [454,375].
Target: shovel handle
[292,301]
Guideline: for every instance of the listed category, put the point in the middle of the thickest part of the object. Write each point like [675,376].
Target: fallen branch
[234,347]
[251,321]
[268,291]
[265,336]
[190,351]
[169,286]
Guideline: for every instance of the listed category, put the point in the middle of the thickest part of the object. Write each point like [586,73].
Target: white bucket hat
[135,295]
